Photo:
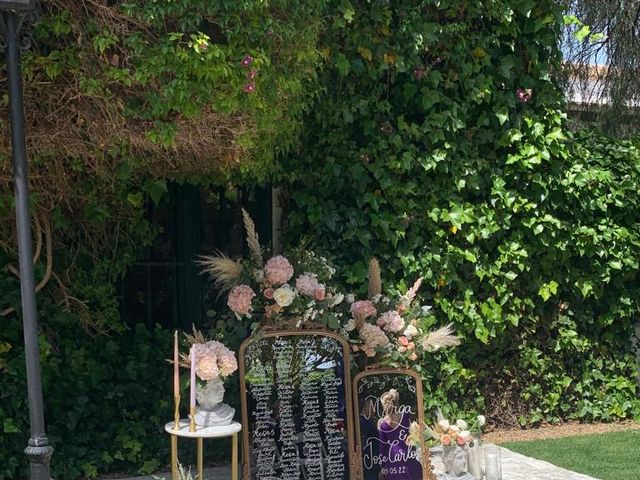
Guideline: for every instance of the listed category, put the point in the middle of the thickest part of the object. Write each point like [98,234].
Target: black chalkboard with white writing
[387,404]
[297,412]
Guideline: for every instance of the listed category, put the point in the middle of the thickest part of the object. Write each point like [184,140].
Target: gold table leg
[174,457]
[234,457]
[200,459]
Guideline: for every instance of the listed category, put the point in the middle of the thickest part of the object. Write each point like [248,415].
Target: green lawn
[608,456]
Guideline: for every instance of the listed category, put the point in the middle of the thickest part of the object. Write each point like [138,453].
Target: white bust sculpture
[211,411]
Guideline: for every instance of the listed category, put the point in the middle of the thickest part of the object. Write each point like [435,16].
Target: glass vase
[454,460]
[493,463]
[475,457]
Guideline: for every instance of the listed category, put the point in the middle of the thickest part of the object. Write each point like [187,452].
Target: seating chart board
[296,406]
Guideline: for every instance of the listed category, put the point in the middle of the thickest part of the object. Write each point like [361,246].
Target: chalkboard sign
[386,403]
[296,406]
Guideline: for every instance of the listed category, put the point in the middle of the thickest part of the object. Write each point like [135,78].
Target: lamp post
[38,450]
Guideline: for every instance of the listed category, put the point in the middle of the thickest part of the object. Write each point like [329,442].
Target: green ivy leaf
[547,290]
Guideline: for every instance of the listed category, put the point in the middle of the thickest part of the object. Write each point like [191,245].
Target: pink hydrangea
[278,270]
[363,309]
[227,362]
[207,368]
[213,360]
[372,338]
[391,321]
[239,300]
[307,284]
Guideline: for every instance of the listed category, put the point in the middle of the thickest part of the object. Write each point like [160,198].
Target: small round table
[200,434]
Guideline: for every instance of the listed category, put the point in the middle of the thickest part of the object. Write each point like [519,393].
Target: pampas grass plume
[225,272]
[252,238]
[442,337]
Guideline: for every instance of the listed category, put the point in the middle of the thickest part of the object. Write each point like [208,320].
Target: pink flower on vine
[524,94]
[252,74]
[418,73]
[249,87]
[247,60]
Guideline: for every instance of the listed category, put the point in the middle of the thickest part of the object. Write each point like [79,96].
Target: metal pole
[38,451]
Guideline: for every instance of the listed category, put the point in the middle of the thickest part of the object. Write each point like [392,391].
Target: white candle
[193,379]
[176,367]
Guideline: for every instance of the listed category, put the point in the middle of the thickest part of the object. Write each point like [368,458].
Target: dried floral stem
[252,238]
[375,279]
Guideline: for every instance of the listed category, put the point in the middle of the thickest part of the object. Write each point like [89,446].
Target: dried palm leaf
[375,280]
[226,273]
[252,238]
[440,338]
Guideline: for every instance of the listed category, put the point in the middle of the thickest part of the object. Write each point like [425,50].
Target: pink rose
[403,341]
[445,439]
[319,294]
[411,346]
[460,440]
[413,357]
[268,293]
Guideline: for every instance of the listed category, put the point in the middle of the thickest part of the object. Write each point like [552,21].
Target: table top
[203,432]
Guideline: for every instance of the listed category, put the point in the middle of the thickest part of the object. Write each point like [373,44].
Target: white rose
[455,428]
[462,424]
[351,298]
[444,425]
[425,309]
[410,332]
[481,420]
[350,325]
[284,296]
[337,300]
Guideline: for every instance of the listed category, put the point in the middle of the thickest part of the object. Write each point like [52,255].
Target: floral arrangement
[296,291]
[212,359]
[396,328]
[458,433]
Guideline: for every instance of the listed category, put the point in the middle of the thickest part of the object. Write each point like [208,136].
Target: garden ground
[607,456]
[569,429]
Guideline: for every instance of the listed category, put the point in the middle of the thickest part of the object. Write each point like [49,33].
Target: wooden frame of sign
[427,473]
[332,452]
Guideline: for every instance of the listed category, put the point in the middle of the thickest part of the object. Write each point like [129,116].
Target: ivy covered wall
[440,146]
[432,137]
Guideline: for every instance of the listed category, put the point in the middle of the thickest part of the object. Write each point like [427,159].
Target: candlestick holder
[176,412]
[192,419]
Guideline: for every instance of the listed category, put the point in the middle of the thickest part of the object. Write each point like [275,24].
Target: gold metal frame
[243,388]
[427,473]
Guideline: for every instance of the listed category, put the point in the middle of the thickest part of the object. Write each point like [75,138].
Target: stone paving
[514,467]
[519,467]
